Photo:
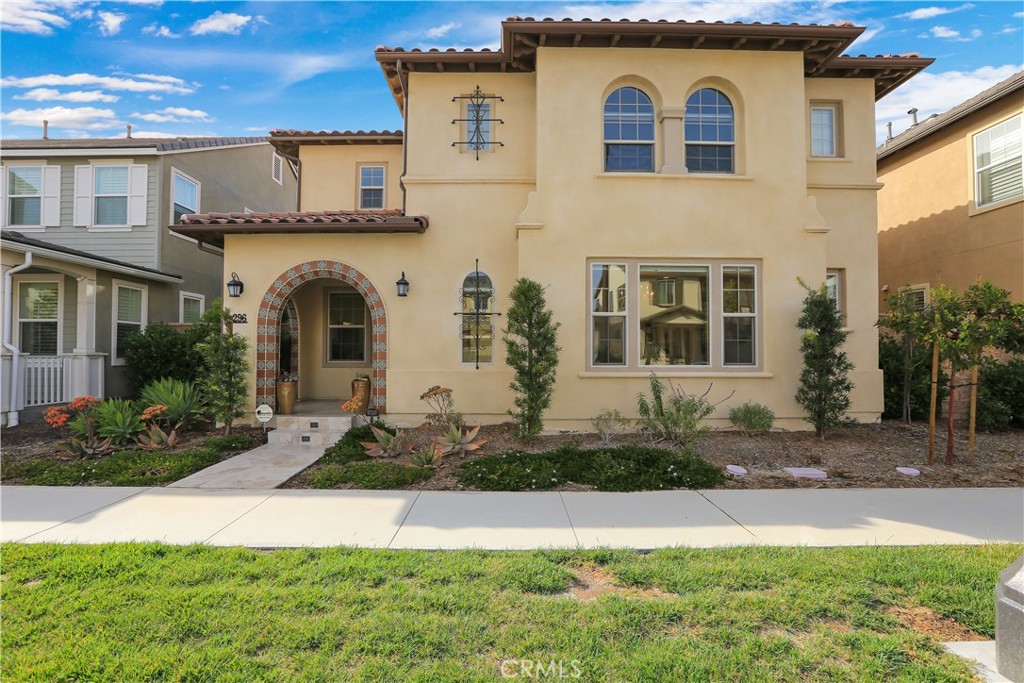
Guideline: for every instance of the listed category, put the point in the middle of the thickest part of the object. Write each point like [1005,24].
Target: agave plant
[387,445]
[86,447]
[458,442]
[155,438]
[183,401]
[426,457]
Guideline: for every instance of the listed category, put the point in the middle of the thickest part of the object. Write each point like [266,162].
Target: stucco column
[85,339]
[671,119]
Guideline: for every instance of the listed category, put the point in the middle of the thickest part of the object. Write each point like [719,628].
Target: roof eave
[214,233]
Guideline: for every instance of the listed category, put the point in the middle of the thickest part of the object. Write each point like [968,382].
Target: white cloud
[49,94]
[256,129]
[1019,15]
[155,98]
[1008,29]
[160,31]
[83,118]
[39,18]
[220,22]
[439,31]
[110,23]
[932,12]
[140,83]
[944,32]
[174,114]
[934,93]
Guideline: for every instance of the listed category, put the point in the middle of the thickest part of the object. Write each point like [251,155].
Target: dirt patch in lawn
[593,582]
[932,623]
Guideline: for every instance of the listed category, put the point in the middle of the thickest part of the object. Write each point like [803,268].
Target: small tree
[532,352]
[225,383]
[908,323]
[825,385]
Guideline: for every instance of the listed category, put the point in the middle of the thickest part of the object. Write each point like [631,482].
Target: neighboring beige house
[952,206]
[666,182]
[89,255]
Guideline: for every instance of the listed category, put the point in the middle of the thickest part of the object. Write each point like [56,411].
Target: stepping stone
[909,471]
[805,472]
[735,469]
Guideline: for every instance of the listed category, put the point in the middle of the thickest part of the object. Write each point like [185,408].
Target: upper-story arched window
[710,132]
[629,131]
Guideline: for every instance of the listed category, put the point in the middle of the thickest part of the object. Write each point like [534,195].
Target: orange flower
[83,403]
[153,412]
[353,405]
[56,417]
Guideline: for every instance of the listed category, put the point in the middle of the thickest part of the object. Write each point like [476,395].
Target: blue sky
[242,68]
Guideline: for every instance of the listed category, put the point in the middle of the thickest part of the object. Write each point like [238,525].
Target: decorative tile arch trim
[269,317]
[293,330]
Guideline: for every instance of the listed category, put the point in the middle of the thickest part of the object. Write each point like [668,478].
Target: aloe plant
[387,445]
[459,442]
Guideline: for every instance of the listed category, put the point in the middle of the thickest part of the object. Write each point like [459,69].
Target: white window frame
[277,168]
[49,196]
[979,170]
[837,275]
[127,198]
[16,282]
[837,112]
[383,187]
[366,326]
[84,211]
[175,173]
[924,289]
[632,360]
[190,295]
[115,286]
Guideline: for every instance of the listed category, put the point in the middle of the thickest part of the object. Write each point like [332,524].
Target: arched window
[629,131]
[710,130]
[477,331]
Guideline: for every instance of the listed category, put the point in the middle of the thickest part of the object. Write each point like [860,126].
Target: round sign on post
[264,413]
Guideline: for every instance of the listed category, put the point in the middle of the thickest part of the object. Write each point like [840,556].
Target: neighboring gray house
[112,200]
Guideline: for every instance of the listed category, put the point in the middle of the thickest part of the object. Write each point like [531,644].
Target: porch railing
[46,380]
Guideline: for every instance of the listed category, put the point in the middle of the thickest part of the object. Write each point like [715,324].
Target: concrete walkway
[265,467]
[443,519]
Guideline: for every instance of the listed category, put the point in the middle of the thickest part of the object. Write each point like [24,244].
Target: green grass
[745,615]
[621,468]
[125,468]
[367,475]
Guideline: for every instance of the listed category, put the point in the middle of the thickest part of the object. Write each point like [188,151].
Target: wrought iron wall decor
[478,121]
[481,296]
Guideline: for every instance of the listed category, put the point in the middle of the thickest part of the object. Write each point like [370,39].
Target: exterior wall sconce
[235,286]
[403,285]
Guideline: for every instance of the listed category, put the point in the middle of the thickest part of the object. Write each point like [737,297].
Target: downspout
[12,413]
[405,134]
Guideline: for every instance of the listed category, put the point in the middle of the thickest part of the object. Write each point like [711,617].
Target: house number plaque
[239,318]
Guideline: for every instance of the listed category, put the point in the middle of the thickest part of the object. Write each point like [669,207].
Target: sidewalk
[449,519]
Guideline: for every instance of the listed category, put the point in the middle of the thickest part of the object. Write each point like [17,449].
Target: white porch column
[85,371]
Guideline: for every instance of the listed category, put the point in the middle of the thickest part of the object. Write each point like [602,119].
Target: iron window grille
[478,121]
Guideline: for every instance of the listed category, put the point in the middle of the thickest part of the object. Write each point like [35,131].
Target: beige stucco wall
[541,207]
[930,231]
[330,180]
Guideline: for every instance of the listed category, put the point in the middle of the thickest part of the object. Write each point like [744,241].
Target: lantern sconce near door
[235,286]
[403,285]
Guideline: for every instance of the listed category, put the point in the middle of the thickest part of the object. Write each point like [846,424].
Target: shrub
[225,382]
[183,402]
[622,468]
[825,385]
[1000,394]
[368,475]
[531,350]
[608,424]
[119,421]
[752,418]
[231,442]
[677,418]
[893,360]
[162,351]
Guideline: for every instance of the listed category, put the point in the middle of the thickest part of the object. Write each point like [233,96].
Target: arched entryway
[273,305]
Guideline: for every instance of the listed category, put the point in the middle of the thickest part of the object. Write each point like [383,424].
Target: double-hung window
[709,127]
[185,193]
[825,129]
[129,307]
[39,305]
[997,163]
[111,196]
[699,314]
[30,197]
[346,327]
[371,187]
[191,307]
[629,131]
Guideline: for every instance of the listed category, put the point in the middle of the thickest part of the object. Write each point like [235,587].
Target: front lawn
[153,612]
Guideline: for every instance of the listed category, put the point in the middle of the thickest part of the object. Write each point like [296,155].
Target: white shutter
[137,188]
[3,196]
[51,196]
[83,196]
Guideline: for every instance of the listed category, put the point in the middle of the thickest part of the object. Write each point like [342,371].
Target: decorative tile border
[277,298]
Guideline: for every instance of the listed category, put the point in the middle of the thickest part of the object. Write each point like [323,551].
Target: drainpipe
[12,414]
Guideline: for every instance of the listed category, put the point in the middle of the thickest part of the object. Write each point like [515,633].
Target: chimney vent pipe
[129,131]
[46,129]
[913,117]
[888,134]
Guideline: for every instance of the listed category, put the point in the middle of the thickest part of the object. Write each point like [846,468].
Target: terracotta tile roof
[937,122]
[288,142]
[278,133]
[212,227]
[820,44]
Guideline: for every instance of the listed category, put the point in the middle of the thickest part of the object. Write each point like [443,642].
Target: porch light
[403,285]
[235,286]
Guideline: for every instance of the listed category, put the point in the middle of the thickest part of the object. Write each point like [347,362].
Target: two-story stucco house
[952,206]
[667,182]
[88,258]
